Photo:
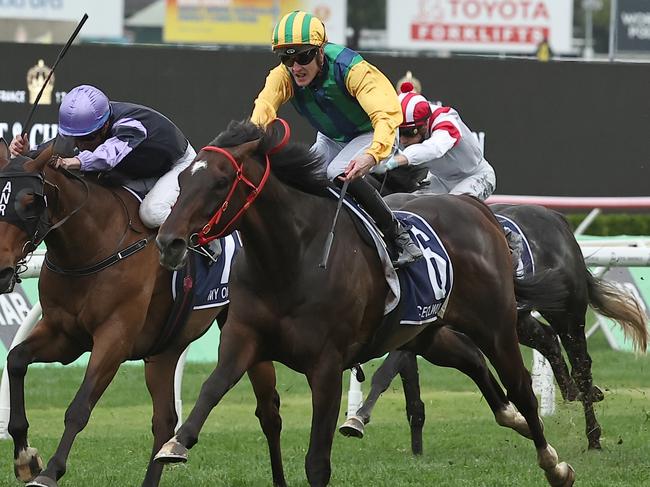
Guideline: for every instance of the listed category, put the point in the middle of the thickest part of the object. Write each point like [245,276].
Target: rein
[104,263]
[202,237]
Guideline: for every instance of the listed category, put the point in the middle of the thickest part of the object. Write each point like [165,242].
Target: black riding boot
[396,235]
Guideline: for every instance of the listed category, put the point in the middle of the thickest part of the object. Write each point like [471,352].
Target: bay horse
[118,313]
[285,307]
[554,248]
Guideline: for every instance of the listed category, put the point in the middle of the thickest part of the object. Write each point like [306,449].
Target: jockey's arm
[126,135]
[376,95]
[436,146]
[277,90]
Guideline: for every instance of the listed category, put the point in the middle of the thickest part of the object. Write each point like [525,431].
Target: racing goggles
[302,58]
[409,131]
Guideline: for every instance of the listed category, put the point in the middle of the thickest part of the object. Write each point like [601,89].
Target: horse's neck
[87,233]
[277,227]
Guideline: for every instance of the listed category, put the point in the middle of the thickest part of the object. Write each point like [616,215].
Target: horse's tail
[543,291]
[619,304]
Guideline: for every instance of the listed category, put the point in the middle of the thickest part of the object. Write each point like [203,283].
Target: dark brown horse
[117,314]
[554,248]
[319,321]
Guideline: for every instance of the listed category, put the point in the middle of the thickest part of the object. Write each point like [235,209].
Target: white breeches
[157,204]
[481,183]
[337,155]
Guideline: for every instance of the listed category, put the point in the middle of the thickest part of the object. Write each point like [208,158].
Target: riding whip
[330,236]
[47,80]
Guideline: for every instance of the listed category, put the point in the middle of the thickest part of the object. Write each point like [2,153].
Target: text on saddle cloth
[210,280]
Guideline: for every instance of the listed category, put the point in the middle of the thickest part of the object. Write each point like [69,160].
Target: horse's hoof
[42,481]
[562,475]
[28,464]
[172,452]
[353,427]
[597,394]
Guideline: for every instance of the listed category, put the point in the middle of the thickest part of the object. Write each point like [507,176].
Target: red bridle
[202,236]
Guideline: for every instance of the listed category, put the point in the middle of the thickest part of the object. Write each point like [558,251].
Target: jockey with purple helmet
[348,101]
[136,143]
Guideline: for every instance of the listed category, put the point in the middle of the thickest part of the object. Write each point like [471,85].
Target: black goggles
[302,58]
[408,131]
[91,136]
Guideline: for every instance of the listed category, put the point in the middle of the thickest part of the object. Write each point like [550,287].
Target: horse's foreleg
[262,377]
[159,374]
[325,380]
[109,350]
[381,379]
[43,345]
[237,353]
[534,334]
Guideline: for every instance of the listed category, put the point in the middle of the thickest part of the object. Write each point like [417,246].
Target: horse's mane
[295,164]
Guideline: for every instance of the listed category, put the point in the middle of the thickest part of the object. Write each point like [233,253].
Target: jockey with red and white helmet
[348,101]
[140,146]
[435,136]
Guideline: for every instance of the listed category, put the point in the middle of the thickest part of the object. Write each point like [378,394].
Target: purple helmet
[84,110]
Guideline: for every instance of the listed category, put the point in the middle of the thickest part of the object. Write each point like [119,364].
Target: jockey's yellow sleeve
[278,89]
[376,95]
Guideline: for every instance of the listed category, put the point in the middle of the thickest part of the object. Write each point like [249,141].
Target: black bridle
[17,184]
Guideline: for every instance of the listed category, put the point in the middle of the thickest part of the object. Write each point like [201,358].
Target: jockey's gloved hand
[386,165]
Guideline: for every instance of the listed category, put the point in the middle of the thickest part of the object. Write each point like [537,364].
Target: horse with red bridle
[286,307]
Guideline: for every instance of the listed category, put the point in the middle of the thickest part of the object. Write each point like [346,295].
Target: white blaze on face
[198,166]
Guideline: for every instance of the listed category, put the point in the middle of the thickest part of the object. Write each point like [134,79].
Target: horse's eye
[221,183]
[27,200]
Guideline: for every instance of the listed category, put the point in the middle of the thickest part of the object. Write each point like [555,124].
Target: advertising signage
[633,26]
[515,26]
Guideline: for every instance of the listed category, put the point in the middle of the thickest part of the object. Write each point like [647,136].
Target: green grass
[463,445]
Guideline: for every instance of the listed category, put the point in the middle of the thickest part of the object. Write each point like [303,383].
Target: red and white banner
[480,25]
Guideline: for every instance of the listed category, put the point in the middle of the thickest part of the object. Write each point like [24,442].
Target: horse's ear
[4,152]
[246,148]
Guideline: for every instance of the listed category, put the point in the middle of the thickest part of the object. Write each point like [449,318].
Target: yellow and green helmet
[297,29]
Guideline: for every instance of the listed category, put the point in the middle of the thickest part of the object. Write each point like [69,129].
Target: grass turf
[463,446]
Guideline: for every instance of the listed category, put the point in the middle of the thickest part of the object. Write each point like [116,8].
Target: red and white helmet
[415,108]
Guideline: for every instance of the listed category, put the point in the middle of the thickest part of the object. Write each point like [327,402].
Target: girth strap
[99,266]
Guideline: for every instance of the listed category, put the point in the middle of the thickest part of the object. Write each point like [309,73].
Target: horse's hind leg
[506,358]
[107,354]
[415,414]
[451,349]
[262,377]
[542,338]
[44,344]
[159,375]
[575,344]
[381,380]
